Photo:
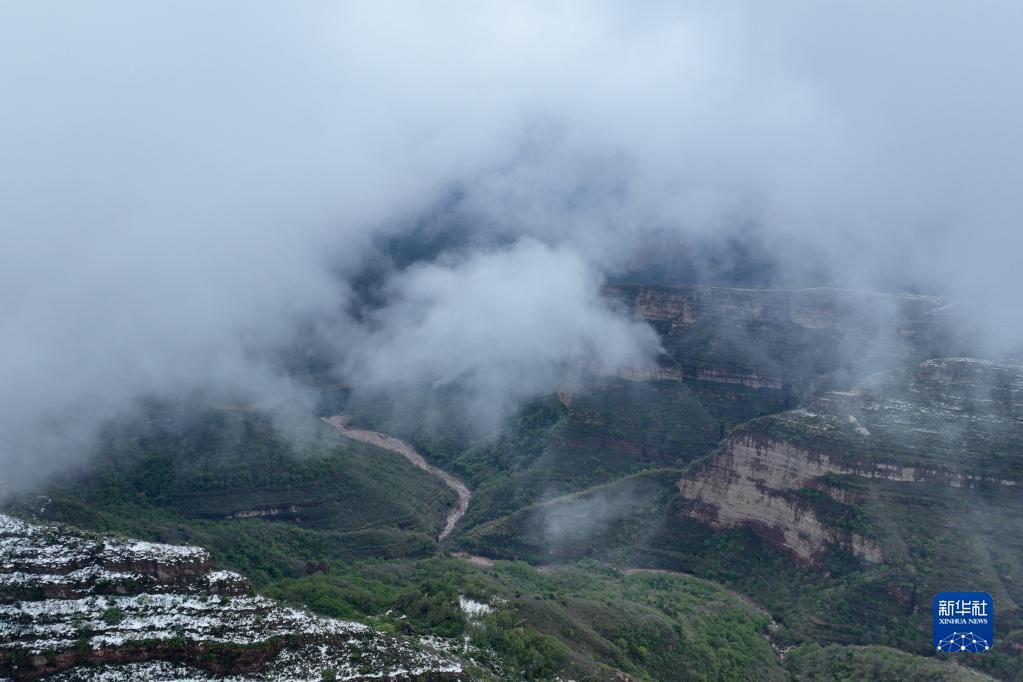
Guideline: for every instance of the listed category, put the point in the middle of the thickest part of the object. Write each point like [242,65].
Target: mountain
[778,497]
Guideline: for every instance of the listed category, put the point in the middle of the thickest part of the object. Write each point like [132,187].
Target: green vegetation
[850,602]
[616,515]
[425,592]
[186,477]
[609,429]
[834,662]
[582,621]
[113,616]
[577,488]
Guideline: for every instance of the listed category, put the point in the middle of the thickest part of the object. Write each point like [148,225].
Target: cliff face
[40,560]
[786,340]
[731,355]
[799,479]
[749,484]
[87,607]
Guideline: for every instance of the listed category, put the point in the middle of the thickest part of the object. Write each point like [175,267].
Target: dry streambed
[382,440]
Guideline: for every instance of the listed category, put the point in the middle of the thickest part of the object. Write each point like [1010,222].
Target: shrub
[113,616]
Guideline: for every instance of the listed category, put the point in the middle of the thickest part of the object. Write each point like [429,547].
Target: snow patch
[860,428]
[473,609]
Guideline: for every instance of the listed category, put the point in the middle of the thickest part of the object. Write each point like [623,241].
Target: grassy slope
[175,484]
[181,477]
[852,603]
[587,619]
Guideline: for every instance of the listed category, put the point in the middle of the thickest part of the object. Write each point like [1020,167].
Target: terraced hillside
[80,606]
[87,607]
[952,430]
[790,340]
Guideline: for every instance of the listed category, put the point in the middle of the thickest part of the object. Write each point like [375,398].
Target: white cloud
[180,183]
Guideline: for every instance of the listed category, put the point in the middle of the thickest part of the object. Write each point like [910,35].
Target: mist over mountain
[438,194]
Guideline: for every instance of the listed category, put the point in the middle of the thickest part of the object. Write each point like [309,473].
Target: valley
[386,442]
[778,461]
[511,341]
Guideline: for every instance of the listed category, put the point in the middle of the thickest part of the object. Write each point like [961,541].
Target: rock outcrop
[85,607]
[750,483]
[786,340]
[952,423]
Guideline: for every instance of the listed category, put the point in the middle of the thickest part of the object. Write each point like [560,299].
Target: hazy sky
[180,183]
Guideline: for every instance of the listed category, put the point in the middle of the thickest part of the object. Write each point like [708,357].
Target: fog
[182,185]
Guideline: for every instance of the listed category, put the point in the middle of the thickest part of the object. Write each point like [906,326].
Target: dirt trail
[474,559]
[382,440]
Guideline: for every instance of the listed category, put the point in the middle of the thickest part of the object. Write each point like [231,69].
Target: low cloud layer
[505,324]
[182,185]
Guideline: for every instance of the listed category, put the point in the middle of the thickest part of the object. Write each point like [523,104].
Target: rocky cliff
[789,341]
[803,479]
[86,607]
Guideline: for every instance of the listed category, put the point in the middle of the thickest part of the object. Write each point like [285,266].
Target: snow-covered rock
[85,607]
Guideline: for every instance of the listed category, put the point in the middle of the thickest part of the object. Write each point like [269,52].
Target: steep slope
[789,341]
[385,442]
[592,523]
[132,610]
[86,605]
[843,517]
[840,517]
[580,621]
[731,355]
[230,480]
[951,430]
[211,463]
[607,427]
